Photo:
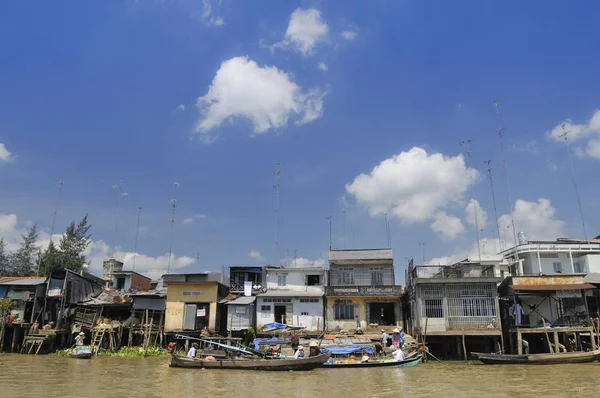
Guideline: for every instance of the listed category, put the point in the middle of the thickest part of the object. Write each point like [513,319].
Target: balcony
[363,291]
[459,271]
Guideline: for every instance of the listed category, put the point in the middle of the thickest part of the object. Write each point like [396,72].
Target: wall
[240,317]
[546,308]
[591,263]
[208,293]
[295,280]
[361,275]
[346,324]
[313,321]
[140,283]
[143,303]
[174,316]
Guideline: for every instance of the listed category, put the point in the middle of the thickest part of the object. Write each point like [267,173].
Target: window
[265,308]
[281,279]
[376,276]
[304,313]
[309,300]
[276,300]
[265,311]
[579,268]
[345,276]
[120,283]
[432,308]
[344,309]
[557,267]
[191,293]
[313,280]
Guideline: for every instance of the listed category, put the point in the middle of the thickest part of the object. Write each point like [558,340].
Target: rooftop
[361,254]
[117,273]
[290,293]
[22,280]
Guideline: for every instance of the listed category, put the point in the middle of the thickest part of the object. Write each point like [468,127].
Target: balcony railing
[453,271]
[239,287]
[363,290]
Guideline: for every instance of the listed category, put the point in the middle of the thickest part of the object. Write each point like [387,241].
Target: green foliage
[4,263]
[124,352]
[69,253]
[5,304]
[24,261]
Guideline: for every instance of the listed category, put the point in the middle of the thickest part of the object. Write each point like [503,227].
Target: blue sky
[213,95]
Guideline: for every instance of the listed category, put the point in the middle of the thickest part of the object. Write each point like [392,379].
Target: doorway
[280,311]
[382,313]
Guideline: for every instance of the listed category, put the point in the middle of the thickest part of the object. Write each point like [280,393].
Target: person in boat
[379,350]
[192,352]
[314,349]
[384,338]
[299,352]
[398,355]
[79,339]
[295,342]
[365,358]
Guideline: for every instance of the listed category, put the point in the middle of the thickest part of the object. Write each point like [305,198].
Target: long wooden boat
[307,363]
[537,359]
[81,353]
[407,363]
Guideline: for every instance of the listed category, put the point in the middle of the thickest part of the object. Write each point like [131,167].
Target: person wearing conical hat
[79,339]
[313,349]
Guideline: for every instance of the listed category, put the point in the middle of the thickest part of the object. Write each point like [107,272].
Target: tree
[50,260]
[73,243]
[23,261]
[4,264]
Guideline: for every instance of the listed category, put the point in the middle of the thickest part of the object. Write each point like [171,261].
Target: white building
[294,296]
[563,256]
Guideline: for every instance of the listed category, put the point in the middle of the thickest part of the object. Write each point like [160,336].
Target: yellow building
[193,302]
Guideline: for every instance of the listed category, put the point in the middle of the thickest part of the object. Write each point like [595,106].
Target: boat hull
[407,363]
[252,364]
[537,359]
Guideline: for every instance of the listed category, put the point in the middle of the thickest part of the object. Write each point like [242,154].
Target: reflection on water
[49,376]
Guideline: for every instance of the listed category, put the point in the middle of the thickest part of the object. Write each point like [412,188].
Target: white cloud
[5,155]
[207,15]
[188,220]
[473,208]
[489,249]
[349,35]
[447,227]
[181,107]
[301,262]
[580,132]
[537,219]
[199,216]
[413,185]
[265,95]
[322,66]
[256,255]
[96,252]
[305,30]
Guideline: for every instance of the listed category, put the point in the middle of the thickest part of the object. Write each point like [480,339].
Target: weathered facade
[130,281]
[362,290]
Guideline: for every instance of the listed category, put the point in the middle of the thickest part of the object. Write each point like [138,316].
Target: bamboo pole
[464,346]
[547,336]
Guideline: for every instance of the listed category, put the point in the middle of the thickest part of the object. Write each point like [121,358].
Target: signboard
[248,288]
[201,312]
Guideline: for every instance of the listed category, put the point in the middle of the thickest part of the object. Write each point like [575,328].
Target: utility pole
[120,193]
[422,246]
[467,145]
[564,135]
[137,233]
[489,170]
[329,219]
[387,231]
[278,216]
[61,183]
[172,221]
[344,217]
[501,136]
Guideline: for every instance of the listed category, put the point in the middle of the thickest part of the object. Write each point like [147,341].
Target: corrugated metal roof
[291,293]
[22,280]
[365,254]
[243,300]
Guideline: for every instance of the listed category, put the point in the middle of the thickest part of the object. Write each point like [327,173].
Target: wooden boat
[407,363]
[537,359]
[307,363]
[81,353]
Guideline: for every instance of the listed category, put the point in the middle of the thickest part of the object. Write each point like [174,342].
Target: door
[189,317]
[280,311]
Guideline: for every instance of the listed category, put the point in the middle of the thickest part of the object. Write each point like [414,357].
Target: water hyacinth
[123,352]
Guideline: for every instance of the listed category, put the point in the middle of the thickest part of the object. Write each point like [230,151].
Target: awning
[592,278]
[552,288]
[243,300]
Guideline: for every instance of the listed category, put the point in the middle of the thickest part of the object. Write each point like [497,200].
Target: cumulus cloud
[256,255]
[98,251]
[537,219]
[305,31]
[265,95]
[301,262]
[447,227]
[208,16]
[181,107]
[322,66]
[474,208]
[190,220]
[5,155]
[413,185]
[349,35]
[489,250]
[587,133]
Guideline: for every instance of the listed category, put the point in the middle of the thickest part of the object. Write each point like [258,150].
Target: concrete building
[130,281]
[563,256]
[455,306]
[193,302]
[293,296]
[362,290]
[246,281]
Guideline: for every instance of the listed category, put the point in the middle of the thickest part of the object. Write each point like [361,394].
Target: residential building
[293,296]
[26,294]
[130,281]
[362,290]
[246,281]
[246,275]
[455,306]
[193,302]
[562,256]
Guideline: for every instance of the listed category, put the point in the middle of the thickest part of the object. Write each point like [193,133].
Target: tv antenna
[120,194]
[467,145]
[61,183]
[137,233]
[489,170]
[172,221]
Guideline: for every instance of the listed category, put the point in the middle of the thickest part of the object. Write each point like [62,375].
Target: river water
[52,376]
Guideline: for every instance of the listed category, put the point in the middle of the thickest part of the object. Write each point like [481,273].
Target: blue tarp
[3,290]
[348,349]
[272,340]
[275,325]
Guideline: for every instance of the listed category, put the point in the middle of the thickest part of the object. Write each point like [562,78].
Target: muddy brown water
[52,376]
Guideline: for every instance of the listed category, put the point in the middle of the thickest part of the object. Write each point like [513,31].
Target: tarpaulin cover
[348,349]
[3,290]
[275,325]
[272,340]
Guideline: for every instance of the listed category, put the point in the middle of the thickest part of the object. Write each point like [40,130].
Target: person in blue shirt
[384,338]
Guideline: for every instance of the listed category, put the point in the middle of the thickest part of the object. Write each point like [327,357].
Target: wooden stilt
[519,343]
[464,346]
[556,345]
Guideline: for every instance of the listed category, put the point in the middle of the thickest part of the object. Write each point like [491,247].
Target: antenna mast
[344,214]
[387,231]
[467,145]
[422,246]
[564,135]
[278,216]
[329,219]
[137,232]
[58,196]
[172,221]
[501,136]
[120,193]
[489,170]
